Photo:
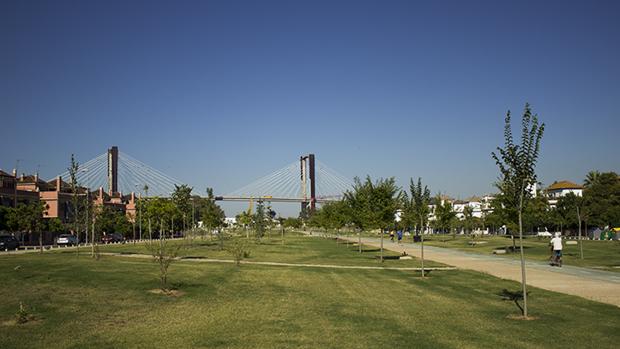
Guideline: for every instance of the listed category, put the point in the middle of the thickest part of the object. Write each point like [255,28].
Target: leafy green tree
[55,225]
[211,215]
[111,220]
[4,212]
[162,211]
[573,206]
[416,210]
[372,205]
[245,220]
[493,219]
[28,218]
[469,221]
[292,222]
[517,163]
[537,213]
[181,197]
[260,221]
[602,200]
[445,215]
[337,215]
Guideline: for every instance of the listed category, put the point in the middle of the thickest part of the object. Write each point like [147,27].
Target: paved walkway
[597,285]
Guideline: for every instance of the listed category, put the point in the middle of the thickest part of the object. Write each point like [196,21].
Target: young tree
[416,210]
[164,253]
[445,214]
[573,206]
[75,200]
[517,163]
[210,213]
[336,215]
[181,197]
[260,221]
[373,205]
[469,220]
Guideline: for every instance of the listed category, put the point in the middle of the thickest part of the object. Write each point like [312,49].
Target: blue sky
[219,93]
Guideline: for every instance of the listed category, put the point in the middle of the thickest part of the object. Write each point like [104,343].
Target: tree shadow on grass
[368,249]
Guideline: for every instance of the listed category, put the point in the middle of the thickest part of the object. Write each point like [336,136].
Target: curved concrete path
[597,285]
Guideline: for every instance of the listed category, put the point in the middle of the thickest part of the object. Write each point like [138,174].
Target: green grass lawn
[603,255]
[297,248]
[83,303]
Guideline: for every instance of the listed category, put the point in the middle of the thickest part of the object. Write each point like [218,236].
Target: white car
[544,234]
[67,239]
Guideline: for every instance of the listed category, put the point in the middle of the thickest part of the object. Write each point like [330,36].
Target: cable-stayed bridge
[118,172]
[306,181]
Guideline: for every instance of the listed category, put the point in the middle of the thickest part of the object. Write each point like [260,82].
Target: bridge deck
[273,199]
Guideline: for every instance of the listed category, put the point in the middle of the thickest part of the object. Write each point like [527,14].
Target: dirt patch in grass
[521,317]
[13,322]
[169,293]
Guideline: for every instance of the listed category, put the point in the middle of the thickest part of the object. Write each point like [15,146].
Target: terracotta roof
[564,185]
[30,179]
[474,199]
[2,173]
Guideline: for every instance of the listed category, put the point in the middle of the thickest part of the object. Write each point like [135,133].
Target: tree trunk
[422,244]
[92,241]
[381,245]
[523,279]
[41,242]
[359,241]
[580,241]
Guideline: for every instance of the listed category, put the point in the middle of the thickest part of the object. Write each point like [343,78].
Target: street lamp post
[193,214]
[139,213]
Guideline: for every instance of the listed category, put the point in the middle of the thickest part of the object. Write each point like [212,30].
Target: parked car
[112,238]
[8,242]
[67,240]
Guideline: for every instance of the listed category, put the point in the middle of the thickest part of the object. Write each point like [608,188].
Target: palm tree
[591,178]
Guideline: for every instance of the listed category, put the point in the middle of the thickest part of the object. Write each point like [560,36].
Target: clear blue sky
[219,93]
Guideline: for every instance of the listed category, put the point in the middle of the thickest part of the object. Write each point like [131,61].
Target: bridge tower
[113,170]
[307,169]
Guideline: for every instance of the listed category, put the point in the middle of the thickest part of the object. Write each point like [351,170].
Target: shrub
[238,248]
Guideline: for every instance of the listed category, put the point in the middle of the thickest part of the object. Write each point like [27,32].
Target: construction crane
[259,199]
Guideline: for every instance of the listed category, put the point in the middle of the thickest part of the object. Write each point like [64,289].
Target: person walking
[556,246]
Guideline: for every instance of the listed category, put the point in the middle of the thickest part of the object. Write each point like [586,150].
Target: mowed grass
[83,303]
[602,255]
[296,248]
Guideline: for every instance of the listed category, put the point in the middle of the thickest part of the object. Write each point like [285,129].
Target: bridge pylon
[307,169]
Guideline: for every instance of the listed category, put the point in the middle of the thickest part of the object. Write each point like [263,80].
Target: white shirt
[557,243]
